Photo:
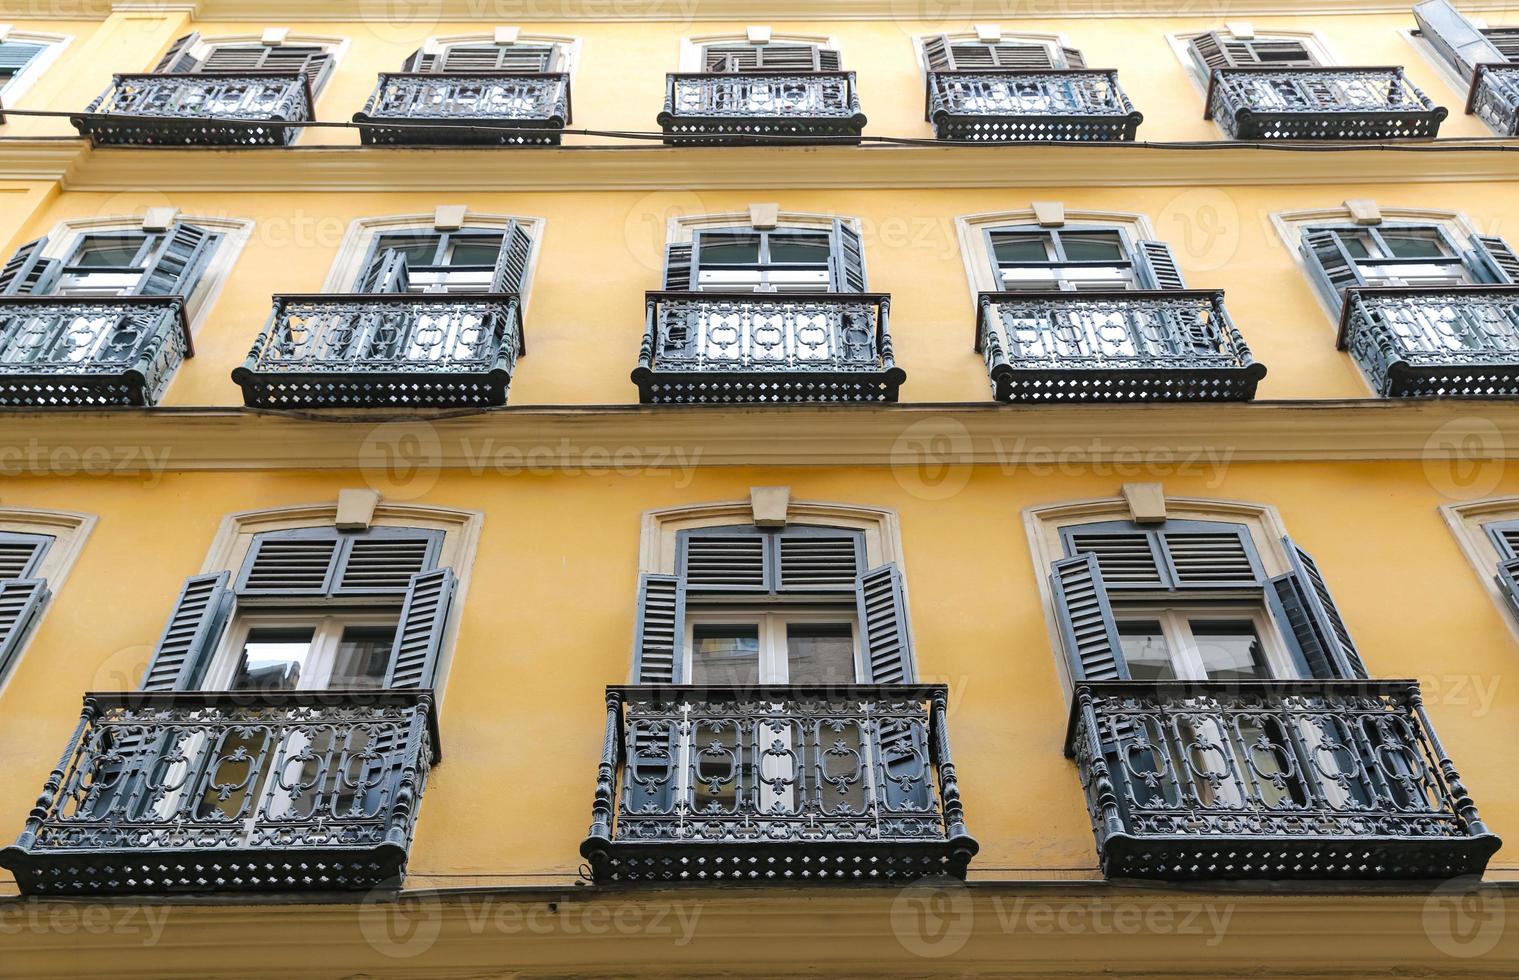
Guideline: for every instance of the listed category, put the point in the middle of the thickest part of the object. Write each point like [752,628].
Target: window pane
[99,252]
[475,251]
[363,657]
[1021,248]
[1099,246]
[1145,651]
[725,655]
[1414,245]
[1230,650]
[1355,245]
[799,248]
[419,250]
[820,653]
[723,249]
[272,660]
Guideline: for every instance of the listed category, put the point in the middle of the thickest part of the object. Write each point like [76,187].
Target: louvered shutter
[1087,628]
[1508,582]
[178,57]
[21,600]
[678,263]
[884,632]
[14,55]
[420,61]
[27,272]
[1182,555]
[177,265]
[937,53]
[1505,537]
[195,626]
[386,272]
[232,58]
[1073,58]
[658,657]
[498,58]
[1213,51]
[725,560]
[316,68]
[1157,266]
[829,60]
[510,273]
[322,562]
[815,559]
[1333,268]
[419,634]
[21,554]
[847,256]
[1495,260]
[1457,39]
[1312,621]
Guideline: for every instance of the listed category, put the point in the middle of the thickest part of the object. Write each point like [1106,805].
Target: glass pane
[723,249]
[1145,651]
[419,250]
[1098,246]
[107,253]
[475,251]
[363,656]
[820,653]
[1414,245]
[725,655]
[1355,245]
[1021,248]
[1230,650]
[272,659]
[798,248]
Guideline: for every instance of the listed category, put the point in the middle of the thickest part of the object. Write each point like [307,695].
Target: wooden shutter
[816,559]
[419,634]
[938,53]
[16,55]
[21,599]
[177,265]
[1073,58]
[419,61]
[829,60]
[658,657]
[1312,621]
[1157,266]
[494,58]
[1508,582]
[327,562]
[1333,268]
[1085,613]
[744,559]
[724,560]
[386,272]
[884,632]
[1182,555]
[678,275]
[1494,260]
[21,554]
[178,57]
[1214,51]
[195,626]
[1457,39]
[27,272]
[510,273]
[847,257]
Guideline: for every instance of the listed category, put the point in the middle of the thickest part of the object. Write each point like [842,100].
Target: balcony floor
[1214,856]
[785,862]
[774,387]
[482,131]
[105,130]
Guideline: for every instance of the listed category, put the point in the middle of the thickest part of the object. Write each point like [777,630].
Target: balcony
[243,109]
[1495,97]
[716,348]
[1114,346]
[1320,104]
[245,791]
[777,784]
[1417,341]
[384,350]
[1275,779]
[761,107]
[506,109]
[1034,105]
[77,351]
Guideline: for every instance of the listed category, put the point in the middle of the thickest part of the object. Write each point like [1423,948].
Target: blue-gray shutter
[1508,582]
[1313,626]
[325,562]
[1212,51]
[189,638]
[385,273]
[1087,628]
[21,554]
[658,657]
[937,54]
[16,55]
[178,57]
[419,634]
[510,273]
[21,599]
[1180,555]
[847,256]
[679,259]
[884,633]
[1157,266]
[177,265]
[1333,269]
[27,273]
[736,558]
[1457,39]
[420,61]
[1494,260]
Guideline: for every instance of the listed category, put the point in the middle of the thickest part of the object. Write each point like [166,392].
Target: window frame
[1176,620]
[763,266]
[1457,257]
[17,85]
[1057,266]
[328,625]
[772,618]
[445,239]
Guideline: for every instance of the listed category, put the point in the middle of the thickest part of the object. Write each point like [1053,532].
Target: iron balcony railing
[75,350]
[1320,104]
[379,350]
[506,109]
[242,109]
[1434,340]
[275,791]
[1030,105]
[1494,97]
[1273,779]
[781,783]
[761,106]
[712,347]
[1114,346]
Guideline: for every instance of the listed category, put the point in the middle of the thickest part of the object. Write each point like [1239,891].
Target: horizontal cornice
[538,439]
[79,167]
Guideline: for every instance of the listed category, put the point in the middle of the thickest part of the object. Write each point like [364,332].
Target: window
[487,59]
[1077,257]
[1460,43]
[776,56]
[191,55]
[1397,254]
[780,260]
[117,262]
[23,590]
[1218,49]
[15,56]
[467,260]
[943,52]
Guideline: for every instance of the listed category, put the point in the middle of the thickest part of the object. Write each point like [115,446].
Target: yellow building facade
[1165,475]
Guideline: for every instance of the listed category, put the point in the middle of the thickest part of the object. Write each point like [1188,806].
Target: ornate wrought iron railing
[1494,97]
[783,783]
[384,350]
[1017,105]
[761,106]
[506,109]
[710,347]
[1273,779]
[230,791]
[1435,340]
[74,350]
[1321,104]
[245,109]
[1114,346]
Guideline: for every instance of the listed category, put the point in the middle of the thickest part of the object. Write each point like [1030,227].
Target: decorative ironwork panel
[852,783]
[63,350]
[1495,97]
[1435,340]
[703,347]
[756,107]
[245,109]
[1321,104]
[507,108]
[265,791]
[384,349]
[1011,105]
[1275,779]
[1135,345]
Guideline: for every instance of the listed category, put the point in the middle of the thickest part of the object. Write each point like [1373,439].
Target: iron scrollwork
[1009,105]
[525,108]
[1435,340]
[739,107]
[82,352]
[1321,103]
[189,109]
